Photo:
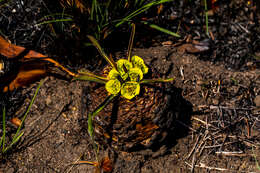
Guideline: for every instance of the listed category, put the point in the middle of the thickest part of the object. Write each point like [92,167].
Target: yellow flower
[113,86]
[130,89]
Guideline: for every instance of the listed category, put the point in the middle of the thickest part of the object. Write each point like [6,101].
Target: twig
[202,149]
[72,165]
[225,107]
[190,128]
[224,140]
[243,28]
[193,163]
[193,148]
[203,122]
[248,128]
[233,153]
[202,165]
[219,145]
[202,143]
[181,71]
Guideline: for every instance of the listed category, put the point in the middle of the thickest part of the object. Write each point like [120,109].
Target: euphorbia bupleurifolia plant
[124,78]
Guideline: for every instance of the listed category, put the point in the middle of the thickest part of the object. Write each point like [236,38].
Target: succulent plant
[124,81]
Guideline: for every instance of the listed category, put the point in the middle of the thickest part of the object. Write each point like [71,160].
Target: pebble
[10,170]
[257,101]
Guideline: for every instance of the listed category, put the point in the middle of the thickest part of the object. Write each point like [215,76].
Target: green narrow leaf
[161,29]
[14,141]
[256,161]
[55,14]
[2,142]
[96,111]
[85,72]
[28,109]
[140,10]
[130,44]
[103,104]
[54,21]
[19,134]
[90,125]
[97,45]
[147,81]
[206,16]
[88,76]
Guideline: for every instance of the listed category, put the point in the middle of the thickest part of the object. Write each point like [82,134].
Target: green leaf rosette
[130,89]
[113,86]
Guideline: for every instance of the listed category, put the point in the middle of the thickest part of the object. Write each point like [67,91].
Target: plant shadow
[175,125]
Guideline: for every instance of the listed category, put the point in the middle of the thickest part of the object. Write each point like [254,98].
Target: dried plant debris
[19,18]
[233,28]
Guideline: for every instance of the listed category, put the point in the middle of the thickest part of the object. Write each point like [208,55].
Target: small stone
[48,100]
[257,101]
[215,101]
[27,9]
[10,170]
[249,64]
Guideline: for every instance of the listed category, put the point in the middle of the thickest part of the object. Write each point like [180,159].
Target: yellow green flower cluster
[126,78]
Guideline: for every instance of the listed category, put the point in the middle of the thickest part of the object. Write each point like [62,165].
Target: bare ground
[219,136]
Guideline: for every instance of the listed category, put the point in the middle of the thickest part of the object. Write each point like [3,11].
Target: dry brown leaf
[16,121]
[34,66]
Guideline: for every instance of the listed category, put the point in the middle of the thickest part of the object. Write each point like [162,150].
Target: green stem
[147,81]
[2,142]
[97,45]
[93,114]
[96,111]
[161,29]
[18,135]
[130,44]
[54,21]
[90,78]
[206,16]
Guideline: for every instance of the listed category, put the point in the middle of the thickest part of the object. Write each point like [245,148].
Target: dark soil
[219,133]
